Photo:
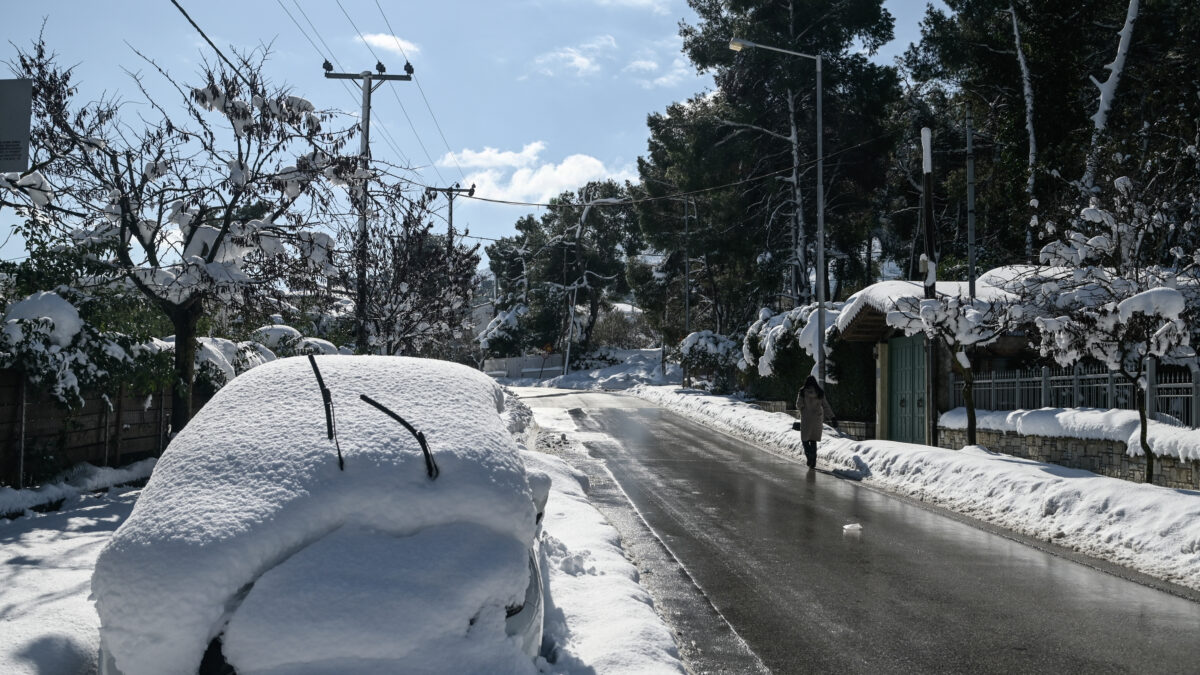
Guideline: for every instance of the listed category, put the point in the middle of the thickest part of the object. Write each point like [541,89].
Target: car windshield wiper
[431,467]
[330,419]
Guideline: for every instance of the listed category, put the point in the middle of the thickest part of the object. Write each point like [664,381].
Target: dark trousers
[810,452]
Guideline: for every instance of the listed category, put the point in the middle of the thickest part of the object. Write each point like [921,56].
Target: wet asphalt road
[915,591]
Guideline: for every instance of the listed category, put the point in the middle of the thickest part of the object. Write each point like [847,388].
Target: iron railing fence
[1173,391]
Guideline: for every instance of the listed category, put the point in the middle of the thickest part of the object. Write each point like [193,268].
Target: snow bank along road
[912,591]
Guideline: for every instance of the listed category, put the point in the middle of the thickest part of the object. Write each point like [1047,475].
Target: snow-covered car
[332,514]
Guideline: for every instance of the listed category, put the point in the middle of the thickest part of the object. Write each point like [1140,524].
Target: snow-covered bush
[501,334]
[712,354]
[774,335]
[45,338]
[601,357]
[281,340]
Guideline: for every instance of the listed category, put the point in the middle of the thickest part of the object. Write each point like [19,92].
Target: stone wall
[1106,458]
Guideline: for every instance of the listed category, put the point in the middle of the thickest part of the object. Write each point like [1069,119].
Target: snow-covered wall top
[1089,423]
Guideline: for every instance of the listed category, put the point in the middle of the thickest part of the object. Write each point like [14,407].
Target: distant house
[900,370]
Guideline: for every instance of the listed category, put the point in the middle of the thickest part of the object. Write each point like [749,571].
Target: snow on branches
[45,338]
[958,321]
[773,333]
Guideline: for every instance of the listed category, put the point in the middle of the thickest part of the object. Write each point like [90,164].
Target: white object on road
[852,527]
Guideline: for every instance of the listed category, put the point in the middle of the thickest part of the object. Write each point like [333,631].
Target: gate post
[1076,388]
[1045,387]
[1194,370]
[1151,386]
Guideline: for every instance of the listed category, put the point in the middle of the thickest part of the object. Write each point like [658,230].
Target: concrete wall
[1106,458]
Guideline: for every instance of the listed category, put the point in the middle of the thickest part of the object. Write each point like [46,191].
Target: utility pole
[930,259]
[970,203]
[687,283]
[451,192]
[367,78]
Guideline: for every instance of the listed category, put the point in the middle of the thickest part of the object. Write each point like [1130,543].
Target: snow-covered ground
[598,619]
[47,622]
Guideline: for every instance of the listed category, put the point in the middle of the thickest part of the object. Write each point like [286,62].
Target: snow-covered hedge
[710,353]
[45,338]
[773,333]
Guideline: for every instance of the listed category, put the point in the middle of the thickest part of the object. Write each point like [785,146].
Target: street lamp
[737,45]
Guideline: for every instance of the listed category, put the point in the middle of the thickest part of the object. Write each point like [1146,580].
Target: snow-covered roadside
[47,622]
[599,620]
[82,479]
[1151,529]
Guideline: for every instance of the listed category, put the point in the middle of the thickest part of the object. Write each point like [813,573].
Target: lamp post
[737,45]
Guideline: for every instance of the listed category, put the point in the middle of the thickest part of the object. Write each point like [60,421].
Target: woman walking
[814,412]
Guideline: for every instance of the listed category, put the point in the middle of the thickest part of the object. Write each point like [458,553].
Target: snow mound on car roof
[253,479]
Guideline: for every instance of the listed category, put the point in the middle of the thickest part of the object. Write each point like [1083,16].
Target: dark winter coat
[814,412]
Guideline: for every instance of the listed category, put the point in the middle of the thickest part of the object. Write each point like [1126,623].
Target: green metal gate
[906,382]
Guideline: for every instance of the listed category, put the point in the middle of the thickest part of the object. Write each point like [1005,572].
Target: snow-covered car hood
[252,480]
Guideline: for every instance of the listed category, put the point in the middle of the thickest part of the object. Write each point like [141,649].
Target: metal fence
[1172,391]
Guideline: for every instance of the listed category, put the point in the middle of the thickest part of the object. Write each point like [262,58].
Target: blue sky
[525,98]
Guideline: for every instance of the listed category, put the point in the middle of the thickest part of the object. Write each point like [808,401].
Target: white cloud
[567,57]
[642,66]
[391,43]
[583,60]
[656,6]
[539,183]
[679,72]
[491,158]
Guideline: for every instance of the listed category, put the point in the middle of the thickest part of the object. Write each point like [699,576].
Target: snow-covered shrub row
[45,338]
[601,357]
[219,360]
[772,333]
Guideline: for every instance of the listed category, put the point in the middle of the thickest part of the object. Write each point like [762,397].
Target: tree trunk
[1027,87]
[969,401]
[184,319]
[593,315]
[800,265]
[1143,417]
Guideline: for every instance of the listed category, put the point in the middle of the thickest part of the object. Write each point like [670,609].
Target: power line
[432,164]
[677,195]
[422,91]
[387,136]
[210,44]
